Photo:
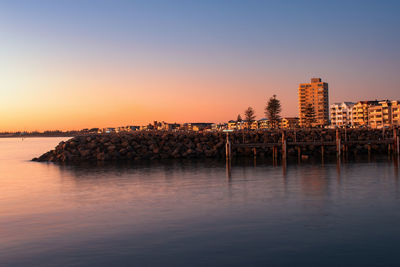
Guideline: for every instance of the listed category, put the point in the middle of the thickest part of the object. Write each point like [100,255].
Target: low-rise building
[109,130]
[341,114]
[232,125]
[290,122]
[360,112]
[219,126]
[396,113]
[263,123]
[196,126]
[380,115]
[254,125]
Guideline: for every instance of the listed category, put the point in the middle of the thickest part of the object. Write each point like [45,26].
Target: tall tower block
[315,94]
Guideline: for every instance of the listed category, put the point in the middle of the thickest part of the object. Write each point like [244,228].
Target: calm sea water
[191,214]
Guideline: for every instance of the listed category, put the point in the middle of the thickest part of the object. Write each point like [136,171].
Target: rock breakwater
[164,145]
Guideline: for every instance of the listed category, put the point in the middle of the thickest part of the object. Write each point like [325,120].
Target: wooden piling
[228,169]
[284,146]
[369,151]
[396,142]
[338,146]
[299,154]
[274,157]
[398,146]
[228,148]
[322,154]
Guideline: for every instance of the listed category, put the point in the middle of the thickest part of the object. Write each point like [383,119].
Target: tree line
[272,112]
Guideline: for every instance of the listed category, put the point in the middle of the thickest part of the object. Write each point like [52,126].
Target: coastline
[304,144]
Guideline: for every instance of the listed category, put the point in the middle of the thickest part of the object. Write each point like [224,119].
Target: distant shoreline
[30,136]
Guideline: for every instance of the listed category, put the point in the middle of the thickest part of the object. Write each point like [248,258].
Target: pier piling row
[393,145]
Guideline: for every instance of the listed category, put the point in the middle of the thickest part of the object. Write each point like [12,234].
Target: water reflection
[180,212]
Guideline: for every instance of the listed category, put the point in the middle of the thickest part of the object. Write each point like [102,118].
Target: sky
[83,64]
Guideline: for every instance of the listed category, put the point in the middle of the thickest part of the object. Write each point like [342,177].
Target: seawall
[164,145]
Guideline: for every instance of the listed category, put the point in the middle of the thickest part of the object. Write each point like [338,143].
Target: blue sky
[249,49]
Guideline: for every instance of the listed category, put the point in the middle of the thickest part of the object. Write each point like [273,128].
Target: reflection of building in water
[315,187]
[314,181]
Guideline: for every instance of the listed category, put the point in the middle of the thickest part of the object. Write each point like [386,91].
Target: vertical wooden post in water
[228,168]
[337,143]
[322,152]
[284,146]
[228,149]
[298,154]
[395,142]
[273,155]
[369,152]
[398,146]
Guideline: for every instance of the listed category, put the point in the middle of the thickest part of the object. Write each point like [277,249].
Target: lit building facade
[360,112]
[290,123]
[395,113]
[341,114]
[380,115]
[316,94]
[263,123]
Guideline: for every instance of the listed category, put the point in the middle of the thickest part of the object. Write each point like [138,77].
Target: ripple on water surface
[184,213]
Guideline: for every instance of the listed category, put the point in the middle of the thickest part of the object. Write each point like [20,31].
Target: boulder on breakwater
[163,145]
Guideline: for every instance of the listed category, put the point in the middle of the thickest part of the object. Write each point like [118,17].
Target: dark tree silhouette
[309,116]
[249,115]
[272,111]
[239,118]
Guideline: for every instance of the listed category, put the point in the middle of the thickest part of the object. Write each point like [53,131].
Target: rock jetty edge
[166,145]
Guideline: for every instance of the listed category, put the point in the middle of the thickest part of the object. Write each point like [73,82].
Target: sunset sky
[83,64]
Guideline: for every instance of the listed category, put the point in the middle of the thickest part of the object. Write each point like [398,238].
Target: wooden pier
[342,146]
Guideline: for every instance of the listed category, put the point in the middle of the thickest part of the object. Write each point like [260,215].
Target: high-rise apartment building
[341,114]
[315,95]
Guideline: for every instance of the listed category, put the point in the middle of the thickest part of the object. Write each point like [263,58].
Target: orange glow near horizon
[105,98]
[67,65]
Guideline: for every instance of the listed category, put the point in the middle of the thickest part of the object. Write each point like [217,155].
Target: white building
[341,114]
